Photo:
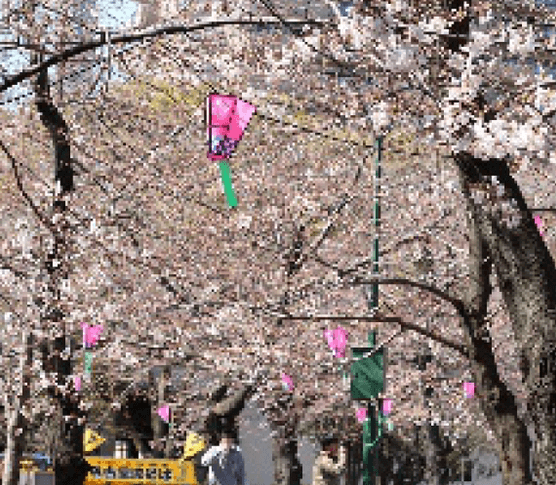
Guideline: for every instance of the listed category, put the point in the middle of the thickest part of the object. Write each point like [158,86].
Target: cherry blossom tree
[154,246]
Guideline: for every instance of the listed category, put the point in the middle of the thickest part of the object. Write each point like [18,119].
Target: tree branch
[463,350]
[35,209]
[59,133]
[124,39]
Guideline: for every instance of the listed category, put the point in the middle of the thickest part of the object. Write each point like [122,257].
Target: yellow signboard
[193,444]
[128,471]
[91,440]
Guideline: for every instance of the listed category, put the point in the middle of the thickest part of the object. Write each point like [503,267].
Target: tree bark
[488,235]
[69,464]
[287,467]
[226,412]
[160,428]
[17,422]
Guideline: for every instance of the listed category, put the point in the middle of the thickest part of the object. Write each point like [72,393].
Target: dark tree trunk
[287,467]
[503,236]
[135,417]
[69,464]
[159,426]
[16,420]
[225,412]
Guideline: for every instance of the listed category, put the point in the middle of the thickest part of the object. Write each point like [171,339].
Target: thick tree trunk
[287,467]
[490,213]
[69,464]
[226,412]
[160,428]
[17,422]
[13,449]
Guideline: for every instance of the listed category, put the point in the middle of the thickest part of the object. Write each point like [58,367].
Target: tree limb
[462,349]
[124,39]
[35,209]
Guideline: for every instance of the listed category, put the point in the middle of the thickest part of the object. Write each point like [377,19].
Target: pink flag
[361,414]
[91,334]
[469,389]
[164,413]
[386,406]
[287,382]
[539,223]
[77,383]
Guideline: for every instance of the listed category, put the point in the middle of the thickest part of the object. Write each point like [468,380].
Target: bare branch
[125,39]
[35,209]
[382,319]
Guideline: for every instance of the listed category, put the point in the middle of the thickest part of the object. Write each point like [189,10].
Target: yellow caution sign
[193,444]
[91,440]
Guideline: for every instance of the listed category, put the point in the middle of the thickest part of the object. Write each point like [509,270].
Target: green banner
[88,362]
[227,182]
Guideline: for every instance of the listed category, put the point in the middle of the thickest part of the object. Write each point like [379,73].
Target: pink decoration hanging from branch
[227,119]
[164,413]
[361,414]
[539,223]
[337,341]
[469,389]
[287,382]
[91,334]
[387,406]
[77,383]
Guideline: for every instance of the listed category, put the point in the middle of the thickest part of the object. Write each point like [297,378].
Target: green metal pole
[376,206]
[370,453]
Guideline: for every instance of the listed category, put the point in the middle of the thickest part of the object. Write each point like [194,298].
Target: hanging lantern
[361,414]
[469,389]
[387,406]
[539,223]
[287,382]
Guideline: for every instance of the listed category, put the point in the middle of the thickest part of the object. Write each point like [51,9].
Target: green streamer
[227,182]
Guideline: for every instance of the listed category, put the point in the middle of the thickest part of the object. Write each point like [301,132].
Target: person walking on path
[225,461]
[326,471]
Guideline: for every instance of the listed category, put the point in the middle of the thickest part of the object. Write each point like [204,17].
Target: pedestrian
[225,461]
[326,470]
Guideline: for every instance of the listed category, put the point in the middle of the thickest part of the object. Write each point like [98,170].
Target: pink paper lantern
[340,337]
[164,413]
[337,340]
[287,382]
[387,406]
[91,334]
[77,383]
[361,414]
[539,223]
[469,389]
[227,118]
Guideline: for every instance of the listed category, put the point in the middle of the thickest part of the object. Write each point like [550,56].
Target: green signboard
[367,374]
